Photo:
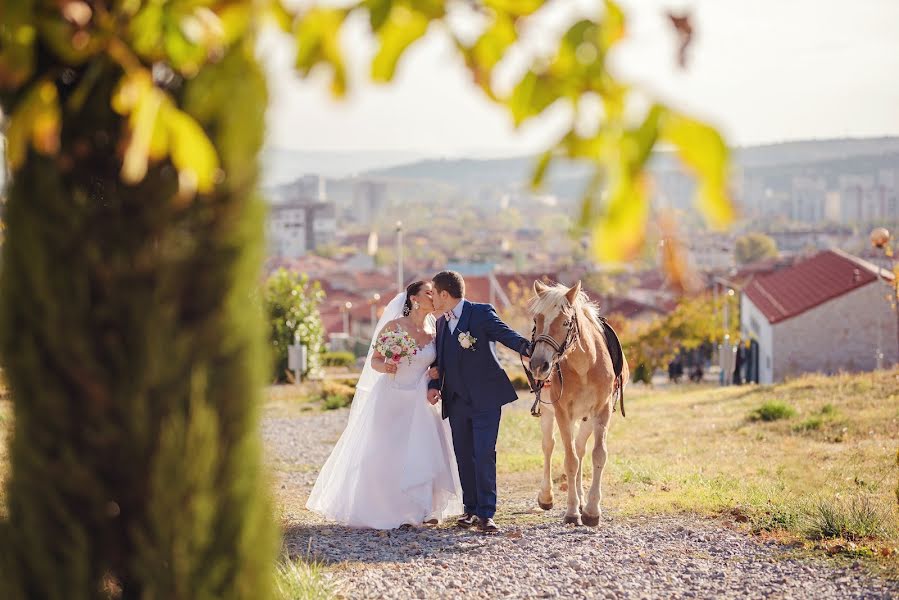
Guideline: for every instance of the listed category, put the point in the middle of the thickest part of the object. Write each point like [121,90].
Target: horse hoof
[590,520]
[572,520]
[545,506]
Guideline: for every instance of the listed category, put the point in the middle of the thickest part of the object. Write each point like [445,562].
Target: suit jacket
[473,376]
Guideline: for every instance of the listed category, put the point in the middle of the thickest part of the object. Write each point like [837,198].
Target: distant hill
[514,171]
[282,166]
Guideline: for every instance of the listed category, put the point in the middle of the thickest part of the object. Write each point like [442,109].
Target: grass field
[810,460]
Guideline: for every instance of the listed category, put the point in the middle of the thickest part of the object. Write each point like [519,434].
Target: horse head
[554,310]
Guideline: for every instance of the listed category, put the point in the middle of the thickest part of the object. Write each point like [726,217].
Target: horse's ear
[539,287]
[573,293]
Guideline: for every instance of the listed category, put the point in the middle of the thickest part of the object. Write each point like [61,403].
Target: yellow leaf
[192,153]
[515,7]
[280,15]
[493,43]
[318,42]
[142,124]
[703,151]
[619,233]
[612,26]
[37,121]
[403,27]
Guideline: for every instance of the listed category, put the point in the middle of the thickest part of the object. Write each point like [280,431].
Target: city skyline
[834,83]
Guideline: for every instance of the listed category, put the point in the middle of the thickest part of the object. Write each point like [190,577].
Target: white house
[826,314]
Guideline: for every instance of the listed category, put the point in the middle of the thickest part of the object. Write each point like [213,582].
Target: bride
[394,463]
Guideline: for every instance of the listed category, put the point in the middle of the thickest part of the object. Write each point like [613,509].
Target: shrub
[292,302]
[857,519]
[520,381]
[338,359]
[335,394]
[810,424]
[302,580]
[772,411]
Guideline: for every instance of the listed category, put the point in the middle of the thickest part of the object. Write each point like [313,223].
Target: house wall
[839,335]
[753,324]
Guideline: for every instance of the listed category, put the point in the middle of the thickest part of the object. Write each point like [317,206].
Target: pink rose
[396,349]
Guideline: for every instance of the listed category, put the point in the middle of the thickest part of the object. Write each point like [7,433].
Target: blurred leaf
[515,7]
[493,43]
[318,41]
[619,233]
[59,35]
[612,26]
[702,150]
[192,152]
[36,121]
[531,96]
[17,35]
[403,27]
[280,15]
[378,11]
[540,169]
[146,31]
[234,20]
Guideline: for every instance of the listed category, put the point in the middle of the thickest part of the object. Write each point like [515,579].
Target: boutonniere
[467,341]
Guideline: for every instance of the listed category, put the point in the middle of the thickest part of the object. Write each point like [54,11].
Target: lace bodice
[410,371]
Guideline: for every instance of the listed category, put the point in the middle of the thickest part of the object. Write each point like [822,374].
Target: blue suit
[474,387]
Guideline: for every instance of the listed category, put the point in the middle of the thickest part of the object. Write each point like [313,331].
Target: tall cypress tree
[131,346]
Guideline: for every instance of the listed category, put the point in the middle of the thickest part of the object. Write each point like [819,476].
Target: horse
[572,342]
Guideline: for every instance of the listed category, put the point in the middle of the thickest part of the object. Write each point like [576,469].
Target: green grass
[693,450]
[302,580]
[772,411]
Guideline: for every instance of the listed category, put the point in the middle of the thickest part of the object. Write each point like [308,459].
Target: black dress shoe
[466,520]
[488,526]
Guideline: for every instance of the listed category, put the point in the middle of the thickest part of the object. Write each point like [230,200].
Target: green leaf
[531,96]
[540,169]
[280,15]
[146,31]
[403,27]
[378,11]
[17,35]
[702,150]
[59,36]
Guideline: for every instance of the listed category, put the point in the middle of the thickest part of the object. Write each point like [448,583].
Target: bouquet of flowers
[394,346]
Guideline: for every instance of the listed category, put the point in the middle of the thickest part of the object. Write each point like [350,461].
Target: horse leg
[601,424]
[580,445]
[545,496]
[572,514]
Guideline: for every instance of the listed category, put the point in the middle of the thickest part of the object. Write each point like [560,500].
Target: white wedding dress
[394,462]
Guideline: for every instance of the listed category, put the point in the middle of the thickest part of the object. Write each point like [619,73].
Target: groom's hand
[433,373]
[433,397]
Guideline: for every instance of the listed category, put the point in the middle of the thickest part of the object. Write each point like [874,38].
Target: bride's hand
[390,368]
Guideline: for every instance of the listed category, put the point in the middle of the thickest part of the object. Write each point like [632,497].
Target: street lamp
[374,310]
[399,257]
[880,240]
[346,317]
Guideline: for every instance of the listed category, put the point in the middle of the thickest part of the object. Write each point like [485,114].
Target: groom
[474,388]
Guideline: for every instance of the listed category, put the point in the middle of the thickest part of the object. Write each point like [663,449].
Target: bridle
[555,365]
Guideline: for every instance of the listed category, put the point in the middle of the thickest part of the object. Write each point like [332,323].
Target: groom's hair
[451,282]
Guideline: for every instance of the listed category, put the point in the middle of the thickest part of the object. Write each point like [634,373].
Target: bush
[772,411]
[338,359]
[292,302]
[335,394]
[520,382]
[302,580]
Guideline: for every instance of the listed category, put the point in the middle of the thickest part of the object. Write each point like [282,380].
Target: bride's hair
[412,289]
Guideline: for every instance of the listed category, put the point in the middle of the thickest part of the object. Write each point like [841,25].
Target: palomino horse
[570,342]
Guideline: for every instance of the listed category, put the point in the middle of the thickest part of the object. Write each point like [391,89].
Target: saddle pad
[614,346]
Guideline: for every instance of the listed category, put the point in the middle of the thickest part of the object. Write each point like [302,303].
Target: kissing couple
[397,463]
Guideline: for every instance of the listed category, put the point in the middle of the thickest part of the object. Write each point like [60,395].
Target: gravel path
[650,557]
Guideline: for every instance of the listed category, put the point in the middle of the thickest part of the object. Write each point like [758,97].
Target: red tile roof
[790,292]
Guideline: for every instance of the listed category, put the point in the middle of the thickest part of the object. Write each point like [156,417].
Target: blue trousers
[474,442]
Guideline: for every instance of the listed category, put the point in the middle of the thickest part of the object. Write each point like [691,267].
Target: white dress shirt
[457,312]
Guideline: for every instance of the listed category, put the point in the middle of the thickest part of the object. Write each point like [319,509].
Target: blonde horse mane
[553,298]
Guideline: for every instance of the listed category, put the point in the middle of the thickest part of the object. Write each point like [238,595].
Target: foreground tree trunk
[134,355]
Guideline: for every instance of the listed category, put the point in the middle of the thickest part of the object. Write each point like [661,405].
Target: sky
[763,71]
